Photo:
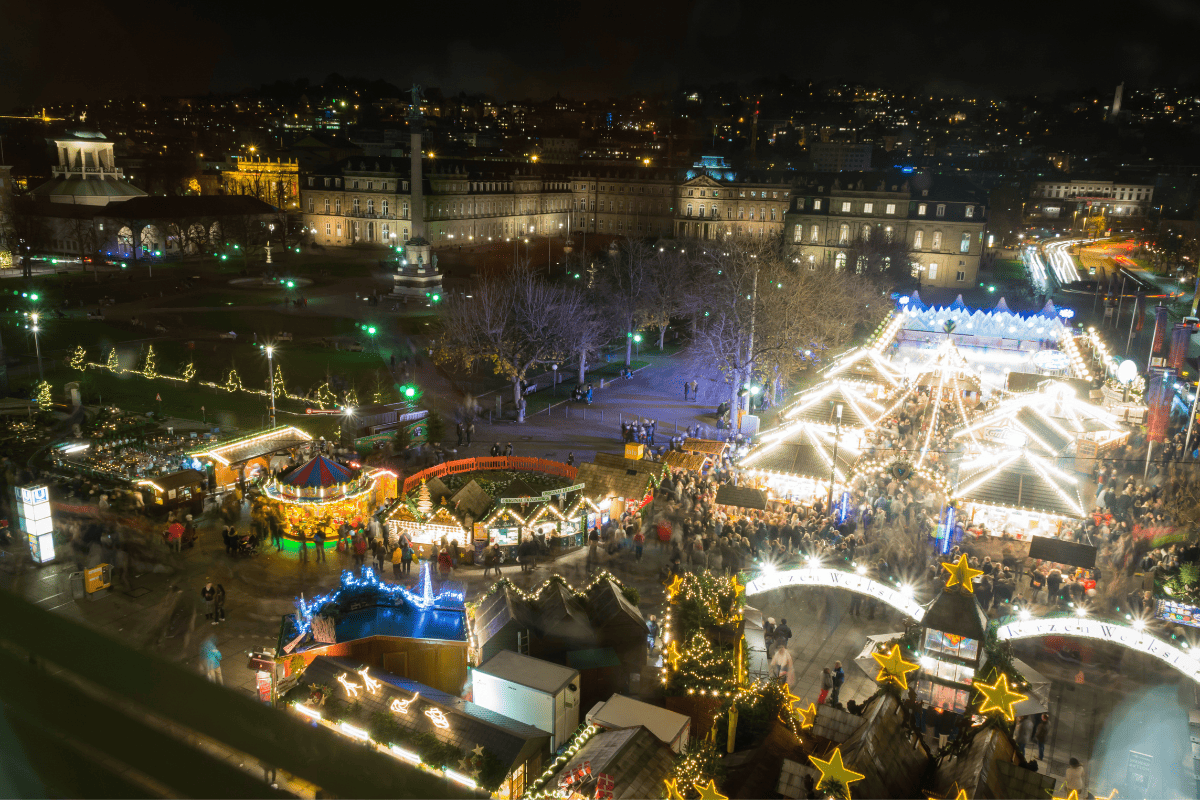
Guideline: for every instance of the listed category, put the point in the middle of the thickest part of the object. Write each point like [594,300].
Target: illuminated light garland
[307,711]
[216,452]
[189,371]
[112,363]
[838,579]
[371,684]
[43,396]
[673,792]
[850,395]
[437,718]
[579,740]
[350,687]
[1052,475]
[425,601]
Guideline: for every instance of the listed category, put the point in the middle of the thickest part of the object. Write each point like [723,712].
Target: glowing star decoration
[437,717]
[808,716]
[998,697]
[351,688]
[401,706]
[371,684]
[961,574]
[674,588]
[737,587]
[962,795]
[893,667]
[673,792]
[477,750]
[708,791]
[1072,795]
[836,771]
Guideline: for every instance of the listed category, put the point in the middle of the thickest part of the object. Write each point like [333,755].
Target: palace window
[839,261]
[970,212]
[404,210]
[383,206]
[800,204]
[844,234]
[689,209]
[868,208]
[891,208]
[933,269]
[920,209]
[798,234]
[918,240]
[941,210]
[371,206]
[311,205]
[936,244]
[960,276]
[337,206]
[965,245]
[355,204]
[814,234]
[845,208]
[887,233]
[326,205]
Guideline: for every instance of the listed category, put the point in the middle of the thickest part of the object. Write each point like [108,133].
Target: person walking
[495,450]
[639,543]
[381,555]
[686,387]
[302,535]
[397,559]
[276,533]
[826,686]
[570,459]
[1023,734]
[319,543]
[695,389]
[210,661]
[360,551]
[839,678]
[593,554]
[1041,734]
[407,554]
[208,594]
[783,634]
[218,603]
[444,563]
[508,449]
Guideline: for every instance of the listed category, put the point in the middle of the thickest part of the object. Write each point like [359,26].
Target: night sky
[91,49]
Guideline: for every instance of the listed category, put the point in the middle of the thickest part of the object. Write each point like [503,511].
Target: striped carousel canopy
[320,471]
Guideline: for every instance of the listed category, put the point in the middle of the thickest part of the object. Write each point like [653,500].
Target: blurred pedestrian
[210,661]
[218,603]
[208,594]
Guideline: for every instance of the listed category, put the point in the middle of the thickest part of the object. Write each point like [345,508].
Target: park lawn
[1008,269]
[246,322]
[227,297]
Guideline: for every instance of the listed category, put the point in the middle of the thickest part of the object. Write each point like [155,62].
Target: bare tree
[624,280]
[883,257]
[29,231]
[765,319]
[83,232]
[666,292]
[516,321]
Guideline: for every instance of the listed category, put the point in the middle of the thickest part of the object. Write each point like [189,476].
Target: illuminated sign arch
[902,601]
[1126,636]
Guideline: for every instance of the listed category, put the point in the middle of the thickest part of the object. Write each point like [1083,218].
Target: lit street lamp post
[271,380]
[36,345]
[837,434]
[554,379]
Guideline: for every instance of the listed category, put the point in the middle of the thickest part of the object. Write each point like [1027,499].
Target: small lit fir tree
[79,358]
[189,371]
[113,363]
[43,396]
[149,368]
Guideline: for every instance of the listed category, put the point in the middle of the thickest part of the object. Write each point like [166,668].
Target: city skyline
[225,47]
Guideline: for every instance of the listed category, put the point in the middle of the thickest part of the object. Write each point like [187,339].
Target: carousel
[322,492]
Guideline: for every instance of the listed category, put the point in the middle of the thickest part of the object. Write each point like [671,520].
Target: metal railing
[519,463]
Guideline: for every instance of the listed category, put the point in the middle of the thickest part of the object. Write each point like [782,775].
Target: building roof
[472,499]
[881,749]
[532,672]
[176,480]
[709,447]
[804,449]
[593,658]
[620,711]
[80,187]
[819,404]
[867,365]
[1019,479]
[693,462]
[602,481]
[636,760]
[957,613]
[470,724]
[156,207]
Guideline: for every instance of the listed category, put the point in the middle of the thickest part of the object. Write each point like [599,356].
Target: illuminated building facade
[272,180]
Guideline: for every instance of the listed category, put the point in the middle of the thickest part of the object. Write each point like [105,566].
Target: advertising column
[33,516]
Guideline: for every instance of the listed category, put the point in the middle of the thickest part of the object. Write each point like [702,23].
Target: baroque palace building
[366,201]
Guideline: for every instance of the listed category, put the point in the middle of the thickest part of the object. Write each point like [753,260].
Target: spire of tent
[1049,310]
[914,300]
[958,304]
[1002,306]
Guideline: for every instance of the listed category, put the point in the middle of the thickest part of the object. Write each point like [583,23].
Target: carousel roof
[318,472]
[1019,479]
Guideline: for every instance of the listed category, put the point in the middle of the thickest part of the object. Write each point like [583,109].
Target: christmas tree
[113,364]
[43,396]
[149,369]
[189,371]
[79,358]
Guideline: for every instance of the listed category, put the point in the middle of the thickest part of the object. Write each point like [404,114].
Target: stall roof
[593,658]
[177,480]
[865,364]
[819,404]
[1019,479]
[620,711]
[472,499]
[741,496]
[255,445]
[655,468]
[693,462]
[634,757]
[709,447]
[470,724]
[804,449]
[881,750]
[602,481]
[403,622]
[522,670]
[957,613]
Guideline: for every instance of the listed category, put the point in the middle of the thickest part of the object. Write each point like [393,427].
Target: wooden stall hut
[232,463]
[179,490]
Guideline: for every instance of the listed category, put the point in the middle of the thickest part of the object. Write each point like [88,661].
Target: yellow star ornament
[671,655]
[674,587]
[708,791]
[835,770]
[672,790]
[961,574]
[1072,795]
[893,667]
[808,716]
[998,697]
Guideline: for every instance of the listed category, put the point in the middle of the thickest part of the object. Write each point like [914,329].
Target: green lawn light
[291,284]
[638,338]
[34,297]
[410,391]
[371,331]
[223,258]
[436,298]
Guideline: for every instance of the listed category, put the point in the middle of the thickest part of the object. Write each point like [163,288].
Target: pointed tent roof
[1049,310]
[805,449]
[819,404]
[1019,479]
[318,471]
[472,499]
[914,301]
[957,613]
[948,369]
[1051,417]
[867,365]
[958,304]
[882,751]
[1002,306]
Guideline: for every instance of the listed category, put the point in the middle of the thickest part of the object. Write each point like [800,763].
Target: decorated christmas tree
[79,358]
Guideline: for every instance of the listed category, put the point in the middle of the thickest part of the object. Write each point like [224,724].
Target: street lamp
[36,346]
[1125,374]
[271,379]
[554,379]
[637,341]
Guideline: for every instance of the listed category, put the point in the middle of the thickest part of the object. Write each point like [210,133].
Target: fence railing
[519,463]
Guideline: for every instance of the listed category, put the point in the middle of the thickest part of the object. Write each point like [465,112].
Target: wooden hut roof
[693,462]
[709,447]
[472,499]
[603,481]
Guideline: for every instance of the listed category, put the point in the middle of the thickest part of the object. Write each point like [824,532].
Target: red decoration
[604,787]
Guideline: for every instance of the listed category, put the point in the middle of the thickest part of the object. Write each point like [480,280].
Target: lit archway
[902,600]
[1127,636]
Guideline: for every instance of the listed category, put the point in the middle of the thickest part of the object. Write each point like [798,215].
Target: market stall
[183,489]
[425,531]
[615,489]
[794,462]
[326,493]
[1016,493]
